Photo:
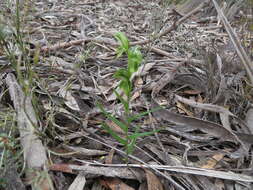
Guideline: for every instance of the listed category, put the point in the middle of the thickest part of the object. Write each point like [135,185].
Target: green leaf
[136,135]
[120,52]
[126,86]
[136,52]
[122,74]
[114,134]
[134,59]
[125,83]
[140,115]
[113,119]
[130,146]
[122,39]
[124,102]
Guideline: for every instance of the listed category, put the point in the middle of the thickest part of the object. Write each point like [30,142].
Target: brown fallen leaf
[115,184]
[200,99]
[109,157]
[192,92]
[162,82]
[208,107]
[191,123]
[183,109]
[153,181]
[149,121]
[211,162]
[138,84]
[115,127]
[61,167]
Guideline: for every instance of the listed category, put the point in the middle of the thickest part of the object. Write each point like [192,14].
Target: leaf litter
[196,67]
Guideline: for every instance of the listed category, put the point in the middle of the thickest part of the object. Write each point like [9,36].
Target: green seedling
[134,58]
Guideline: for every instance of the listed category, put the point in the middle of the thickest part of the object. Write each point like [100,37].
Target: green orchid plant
[134,57]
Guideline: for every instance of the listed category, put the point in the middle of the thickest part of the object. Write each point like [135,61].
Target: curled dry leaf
[208,127]
[70,100]
[163,82]
[207,107]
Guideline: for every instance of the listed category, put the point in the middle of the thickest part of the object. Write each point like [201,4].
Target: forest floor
[190,119]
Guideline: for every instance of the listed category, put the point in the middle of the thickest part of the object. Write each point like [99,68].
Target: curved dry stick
[47,49]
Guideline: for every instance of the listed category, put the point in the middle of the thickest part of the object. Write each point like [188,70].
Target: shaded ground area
[57,63]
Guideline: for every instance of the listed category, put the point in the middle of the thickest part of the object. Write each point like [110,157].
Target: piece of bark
[33,150]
